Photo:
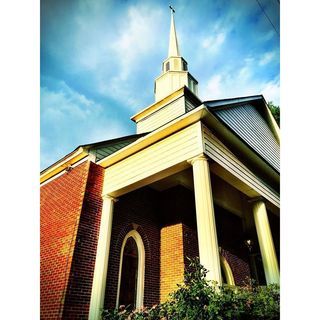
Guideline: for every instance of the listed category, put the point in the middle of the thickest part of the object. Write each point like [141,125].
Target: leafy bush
[198,299]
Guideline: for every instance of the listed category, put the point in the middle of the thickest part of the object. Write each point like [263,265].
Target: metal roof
[229,101]
[104,148]
[242,116]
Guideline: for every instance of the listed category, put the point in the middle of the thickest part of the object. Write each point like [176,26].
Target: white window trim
[141,268]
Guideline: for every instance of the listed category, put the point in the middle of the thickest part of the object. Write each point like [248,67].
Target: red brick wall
[60,206]
[70,216]
[78,294]
[190,241]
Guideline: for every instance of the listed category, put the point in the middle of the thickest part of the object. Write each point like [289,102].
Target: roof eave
[236,100]
[70,159]
[237,145]
[200,113]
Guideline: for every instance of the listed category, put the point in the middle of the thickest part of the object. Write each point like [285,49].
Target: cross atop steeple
[173,41]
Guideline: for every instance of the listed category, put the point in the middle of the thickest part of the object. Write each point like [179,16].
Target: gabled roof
[99,149]
[104,148]
[245,124]
[247,118]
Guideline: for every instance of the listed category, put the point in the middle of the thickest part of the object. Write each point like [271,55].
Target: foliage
[198,299]
[275,110]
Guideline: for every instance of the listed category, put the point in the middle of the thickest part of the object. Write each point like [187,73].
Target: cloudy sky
[99,59]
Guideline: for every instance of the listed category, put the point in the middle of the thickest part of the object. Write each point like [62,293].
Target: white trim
[102,258]
[221,155]
[141,268]
[63,163]
[64,171]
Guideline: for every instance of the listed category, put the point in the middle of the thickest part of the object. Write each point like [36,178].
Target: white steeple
[173,41]
[175,73]
[175,90]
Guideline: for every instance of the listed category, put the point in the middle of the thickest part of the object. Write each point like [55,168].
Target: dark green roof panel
[105,148]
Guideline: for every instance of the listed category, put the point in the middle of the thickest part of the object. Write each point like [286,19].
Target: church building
[120,218]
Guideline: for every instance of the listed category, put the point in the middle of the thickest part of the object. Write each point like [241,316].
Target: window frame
[141,268]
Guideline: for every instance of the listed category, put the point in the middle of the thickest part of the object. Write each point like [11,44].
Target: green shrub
[198,299]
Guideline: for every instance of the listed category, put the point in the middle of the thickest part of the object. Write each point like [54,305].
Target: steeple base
[171,81]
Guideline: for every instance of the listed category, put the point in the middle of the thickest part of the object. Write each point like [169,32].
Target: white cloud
[242,83]
[137,37]
[244,73]
[65,102]
[227,84]
[249,60]
[213,88]
[213,42]
[112,49]
[136,44]
[111,130]
[116,61]
[267,58]
[215,36]
[69,119]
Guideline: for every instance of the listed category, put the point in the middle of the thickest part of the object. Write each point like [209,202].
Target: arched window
[226,272]
[131,271]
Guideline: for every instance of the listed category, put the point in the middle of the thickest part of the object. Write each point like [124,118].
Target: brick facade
[137,210]
[171,259]
[180,242]
[70,216]
[78,295]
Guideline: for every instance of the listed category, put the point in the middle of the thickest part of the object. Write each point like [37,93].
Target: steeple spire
[175,73]
[173,41]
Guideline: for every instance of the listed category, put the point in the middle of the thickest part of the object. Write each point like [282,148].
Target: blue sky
[99,59]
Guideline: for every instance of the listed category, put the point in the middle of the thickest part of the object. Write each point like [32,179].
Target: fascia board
[158,105]
[231,101]
[63,164]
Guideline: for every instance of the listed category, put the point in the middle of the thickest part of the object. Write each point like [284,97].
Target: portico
[186,145]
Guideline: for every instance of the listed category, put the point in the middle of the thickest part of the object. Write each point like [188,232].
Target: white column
[268,253]
[102,257]
[206,225]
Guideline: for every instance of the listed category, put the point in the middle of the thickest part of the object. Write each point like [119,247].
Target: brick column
[206,225]
[268,253]
[102,257]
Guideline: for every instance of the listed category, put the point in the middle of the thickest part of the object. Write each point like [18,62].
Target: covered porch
[232,207]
